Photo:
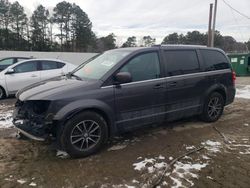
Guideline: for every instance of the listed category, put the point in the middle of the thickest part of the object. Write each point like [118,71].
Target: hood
[45,90]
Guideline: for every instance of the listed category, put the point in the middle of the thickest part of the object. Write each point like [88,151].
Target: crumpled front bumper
[32,125]
[22,128]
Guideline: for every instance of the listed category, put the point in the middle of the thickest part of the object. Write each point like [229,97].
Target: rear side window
[143,67]
[60,65]
[181,62]
[214,60]
[48,65]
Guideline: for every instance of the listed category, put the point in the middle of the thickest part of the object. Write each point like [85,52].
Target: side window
[26,67]
[60,65]
[48,65]
[143,67]
[214,60]
[180,62]
[7,62]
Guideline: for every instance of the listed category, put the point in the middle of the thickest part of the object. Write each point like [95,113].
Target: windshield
[96,68]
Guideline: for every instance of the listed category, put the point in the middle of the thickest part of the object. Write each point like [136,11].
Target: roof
[168,46]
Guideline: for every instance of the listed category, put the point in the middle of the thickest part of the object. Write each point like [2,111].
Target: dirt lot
[138,159]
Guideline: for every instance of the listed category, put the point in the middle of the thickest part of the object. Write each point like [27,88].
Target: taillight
[234,77]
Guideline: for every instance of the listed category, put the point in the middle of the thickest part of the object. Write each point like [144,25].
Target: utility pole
[209,39]
[214,23]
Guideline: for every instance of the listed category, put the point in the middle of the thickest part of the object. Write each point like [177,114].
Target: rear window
[181,62]
[214,60]
[49,65]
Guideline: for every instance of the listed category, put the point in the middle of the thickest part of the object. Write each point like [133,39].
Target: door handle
[172,84]
[33,75]
[158,86]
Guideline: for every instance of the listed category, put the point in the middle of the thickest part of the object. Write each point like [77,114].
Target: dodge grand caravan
[124,89]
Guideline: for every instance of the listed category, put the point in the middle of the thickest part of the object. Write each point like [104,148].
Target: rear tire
[2,93]
[213,107]
[84,134]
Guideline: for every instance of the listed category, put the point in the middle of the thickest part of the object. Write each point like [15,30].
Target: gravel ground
[139,158]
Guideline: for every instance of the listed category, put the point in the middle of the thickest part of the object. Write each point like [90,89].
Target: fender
[215,87]
[72,108]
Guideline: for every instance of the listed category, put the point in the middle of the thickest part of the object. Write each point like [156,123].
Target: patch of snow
[190,147]
[160,165]
[187,157]
[142,165]
[135,181]
[170,158]
[209,177]
[247,152]
[117,147]
[122,186]
[243,92]
[246,124]
[62,154]
[161,157]
[21,181]
[6,119]
[212,146]
[185,172]
[32,184]
[205,157]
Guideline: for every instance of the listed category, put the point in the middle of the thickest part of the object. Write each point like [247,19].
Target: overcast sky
[157,18]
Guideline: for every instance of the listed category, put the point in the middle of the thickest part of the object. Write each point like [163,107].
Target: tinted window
[26,67]
[143,67]
[214,60]
[181,62]
[48,65]
[60,65]
[6,62]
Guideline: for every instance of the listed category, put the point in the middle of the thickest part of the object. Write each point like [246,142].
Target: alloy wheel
[214,107]
[85,135]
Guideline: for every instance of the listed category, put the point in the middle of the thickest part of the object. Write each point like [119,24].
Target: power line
[240,13]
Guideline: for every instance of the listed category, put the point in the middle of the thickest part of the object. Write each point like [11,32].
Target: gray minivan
[123,89]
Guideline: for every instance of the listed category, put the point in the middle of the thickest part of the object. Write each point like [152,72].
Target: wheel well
[222,92]
[4,92]
[98,111]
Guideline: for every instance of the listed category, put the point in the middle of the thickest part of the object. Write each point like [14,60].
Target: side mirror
[10,71]
[123,77]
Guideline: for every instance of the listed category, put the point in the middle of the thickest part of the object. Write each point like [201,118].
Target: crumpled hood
[46,89]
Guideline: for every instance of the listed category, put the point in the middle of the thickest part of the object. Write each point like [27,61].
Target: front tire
[84,134]
[213,107]
[2,93]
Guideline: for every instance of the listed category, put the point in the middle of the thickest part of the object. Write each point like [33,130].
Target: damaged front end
[33,119]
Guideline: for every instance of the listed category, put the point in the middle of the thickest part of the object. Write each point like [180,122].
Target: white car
[25,73]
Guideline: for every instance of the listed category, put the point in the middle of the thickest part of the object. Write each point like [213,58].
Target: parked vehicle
[25,73]
[5,62]
[124,89]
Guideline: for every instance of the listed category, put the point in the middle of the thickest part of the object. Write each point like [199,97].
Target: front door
[25,74]
[139,102]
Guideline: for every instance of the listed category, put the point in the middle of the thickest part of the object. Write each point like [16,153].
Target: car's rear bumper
[230,95]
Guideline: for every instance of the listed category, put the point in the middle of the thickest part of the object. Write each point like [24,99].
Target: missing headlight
[40,107]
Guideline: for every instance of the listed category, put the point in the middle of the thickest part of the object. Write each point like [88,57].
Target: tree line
[227,43]
[68,28]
